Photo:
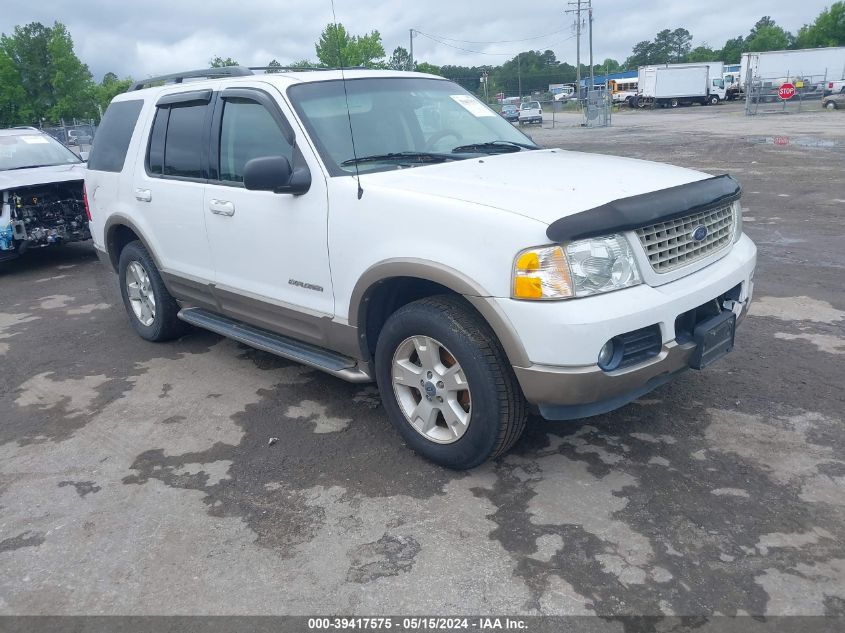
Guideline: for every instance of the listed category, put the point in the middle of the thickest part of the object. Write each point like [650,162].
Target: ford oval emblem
[699,233]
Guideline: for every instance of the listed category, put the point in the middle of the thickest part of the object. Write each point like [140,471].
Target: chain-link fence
[763,95]
[598,107]
[78,136]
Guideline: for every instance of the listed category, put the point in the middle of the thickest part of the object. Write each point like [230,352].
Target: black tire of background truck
[498,411]
[165,326]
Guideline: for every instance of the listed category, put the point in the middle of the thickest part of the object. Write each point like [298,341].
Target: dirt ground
[137,478]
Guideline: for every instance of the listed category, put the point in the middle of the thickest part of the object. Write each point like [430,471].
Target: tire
[714,100]
[830,105]
[158,323]
[674,103]
[491,401]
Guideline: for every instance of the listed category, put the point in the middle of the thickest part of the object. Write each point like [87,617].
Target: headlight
[737,205]
[541,273]
[601,264]
[577,269]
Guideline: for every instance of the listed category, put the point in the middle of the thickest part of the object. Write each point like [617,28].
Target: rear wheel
[446,383]
[674,103]
[151,308]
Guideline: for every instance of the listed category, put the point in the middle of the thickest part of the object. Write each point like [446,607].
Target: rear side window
[177,141]
[112,141]
[184,141]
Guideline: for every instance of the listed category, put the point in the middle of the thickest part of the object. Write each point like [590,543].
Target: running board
[311,355]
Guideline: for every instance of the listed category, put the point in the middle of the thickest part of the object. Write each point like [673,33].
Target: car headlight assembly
[576,269]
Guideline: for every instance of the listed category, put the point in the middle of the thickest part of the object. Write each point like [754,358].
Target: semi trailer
[818,67]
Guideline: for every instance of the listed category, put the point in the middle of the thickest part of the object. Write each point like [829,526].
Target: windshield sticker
[33,140]
[473,105]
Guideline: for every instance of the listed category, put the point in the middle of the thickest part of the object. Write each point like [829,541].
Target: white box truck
[818,67]
[673,85]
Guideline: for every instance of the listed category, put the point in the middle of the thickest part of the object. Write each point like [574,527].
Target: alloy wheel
[141,296]
[431,389]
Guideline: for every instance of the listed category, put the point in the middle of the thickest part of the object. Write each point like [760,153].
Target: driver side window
[248,131]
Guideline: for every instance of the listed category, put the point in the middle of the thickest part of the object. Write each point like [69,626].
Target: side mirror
[274,173]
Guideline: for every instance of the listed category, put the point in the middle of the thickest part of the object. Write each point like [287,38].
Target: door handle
[221,207]
[143,195]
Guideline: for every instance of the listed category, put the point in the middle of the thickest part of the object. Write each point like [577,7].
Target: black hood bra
[627,214]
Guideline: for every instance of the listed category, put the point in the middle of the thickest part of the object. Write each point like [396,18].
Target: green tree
[304,63]
[109,88]
[400,59]
[273,66]
[828,29]
[768,38]
[42,78]
[220,62]
[609,65]
[732,50]
[681,40]
[703,53]
[663,47]
[73,86]
[425,67]
[641,54]
[336,48]
[14,106]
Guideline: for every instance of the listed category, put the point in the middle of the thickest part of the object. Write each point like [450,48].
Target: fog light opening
[607,354]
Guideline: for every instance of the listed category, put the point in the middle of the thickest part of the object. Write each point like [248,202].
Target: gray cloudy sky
[161,36]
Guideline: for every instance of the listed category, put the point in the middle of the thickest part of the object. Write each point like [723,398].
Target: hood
[544,185]
[11,179]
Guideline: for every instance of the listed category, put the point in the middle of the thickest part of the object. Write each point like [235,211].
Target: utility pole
[577,4]
[411,50]
[519,75]
[592,71]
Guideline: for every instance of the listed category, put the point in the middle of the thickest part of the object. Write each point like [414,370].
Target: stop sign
[786,91]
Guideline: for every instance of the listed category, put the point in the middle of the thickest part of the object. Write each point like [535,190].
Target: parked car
[530,112]
[41,193]
[834,101]
[834,87]
[78,138]
[470,273]
[510,113]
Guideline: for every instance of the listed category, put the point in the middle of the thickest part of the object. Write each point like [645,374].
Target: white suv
[389,227]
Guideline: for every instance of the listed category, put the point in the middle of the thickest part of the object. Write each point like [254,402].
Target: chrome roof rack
[301,69]
[177,78]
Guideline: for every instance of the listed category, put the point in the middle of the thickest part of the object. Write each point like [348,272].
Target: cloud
[161,36]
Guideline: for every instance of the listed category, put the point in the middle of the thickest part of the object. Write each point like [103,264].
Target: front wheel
[151,308]
[714,100]
[446,383]
[830,105]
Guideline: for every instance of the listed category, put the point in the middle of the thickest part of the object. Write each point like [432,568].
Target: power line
[467,50]
[527,39]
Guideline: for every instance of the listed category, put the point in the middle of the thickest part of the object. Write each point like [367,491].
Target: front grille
[669,245]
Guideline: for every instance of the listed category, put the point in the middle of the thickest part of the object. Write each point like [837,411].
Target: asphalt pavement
[138,478]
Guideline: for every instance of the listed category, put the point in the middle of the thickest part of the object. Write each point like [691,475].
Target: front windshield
[398,115]
[20,151]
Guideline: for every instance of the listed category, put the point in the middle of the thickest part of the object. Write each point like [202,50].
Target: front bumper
[569,390]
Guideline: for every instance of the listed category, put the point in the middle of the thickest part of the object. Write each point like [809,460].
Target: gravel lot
[137,478]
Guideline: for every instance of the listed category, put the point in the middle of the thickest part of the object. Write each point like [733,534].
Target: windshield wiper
[36,166]
[401,157]
[493,146]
